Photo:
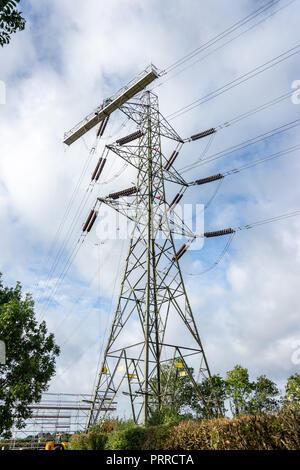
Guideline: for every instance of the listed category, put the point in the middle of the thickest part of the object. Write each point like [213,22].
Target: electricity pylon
[153,299]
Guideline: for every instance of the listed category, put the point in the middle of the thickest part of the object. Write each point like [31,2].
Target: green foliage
[238,388]
[79,442]
[183,400]
[253,432]
[246,397]
[11,20]
[164,416]
[131,438]
[264,396]
[30,357]
[256,432]
[292,391]
[158,437]
[123,424]
[111,434]
[106,426]
[176,391]
[90,441]
[96,441]
[213,391]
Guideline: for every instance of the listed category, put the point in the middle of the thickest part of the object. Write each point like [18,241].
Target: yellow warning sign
[104,370]
[179,365]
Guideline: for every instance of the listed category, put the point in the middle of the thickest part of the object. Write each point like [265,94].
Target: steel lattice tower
[152,291]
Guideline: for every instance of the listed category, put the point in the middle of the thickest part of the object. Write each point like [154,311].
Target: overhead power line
[212,131]
[247,165]
[222,45]
[221,35]
[287,215]
[238,81]
[242,145]
[217,261]
[232,233]
[239,228]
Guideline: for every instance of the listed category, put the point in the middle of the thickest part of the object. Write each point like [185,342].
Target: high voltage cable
[109,314]
[238,81]
[214,194]
[215,39]
[66,213]
[63,274]
[256,110]
[80,208]
[287,215]
[245,227]
[234,171]
[71,334]
[64,317]
[218,260]
[78,213]
[70,259]
[242,145]
[61,278]
[222,45]
[242,116]
[71,227]
[262,160]
[108,317]
[269,220]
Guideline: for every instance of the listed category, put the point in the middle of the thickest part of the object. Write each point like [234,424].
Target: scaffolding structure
[55,415]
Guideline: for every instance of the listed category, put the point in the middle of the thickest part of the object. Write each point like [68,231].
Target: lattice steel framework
[53,415]
[153,297]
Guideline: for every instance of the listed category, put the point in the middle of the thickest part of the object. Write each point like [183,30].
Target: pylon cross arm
[128,153]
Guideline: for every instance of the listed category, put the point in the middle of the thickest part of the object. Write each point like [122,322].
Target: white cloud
[71,56]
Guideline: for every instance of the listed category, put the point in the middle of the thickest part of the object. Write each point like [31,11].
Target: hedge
[90,441]
[258,432]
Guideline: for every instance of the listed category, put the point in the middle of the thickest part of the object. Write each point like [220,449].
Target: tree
[177,391]
[246,397]
[292,391]
[11,20]
[214,393]
[183,400]
[264,396]
[30,357]
[238,390]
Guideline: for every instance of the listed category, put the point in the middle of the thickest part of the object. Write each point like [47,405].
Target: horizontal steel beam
[112,105]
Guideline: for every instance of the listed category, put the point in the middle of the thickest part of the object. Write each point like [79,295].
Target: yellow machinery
[51,445]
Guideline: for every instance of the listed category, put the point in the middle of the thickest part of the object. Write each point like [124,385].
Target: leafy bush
[259,432]
[164,417]
[97,441]
[78,442]
[131,438]
[157,437]
[254,432]
[90,441]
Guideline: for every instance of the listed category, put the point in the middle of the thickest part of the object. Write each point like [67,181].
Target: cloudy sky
[71,56]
